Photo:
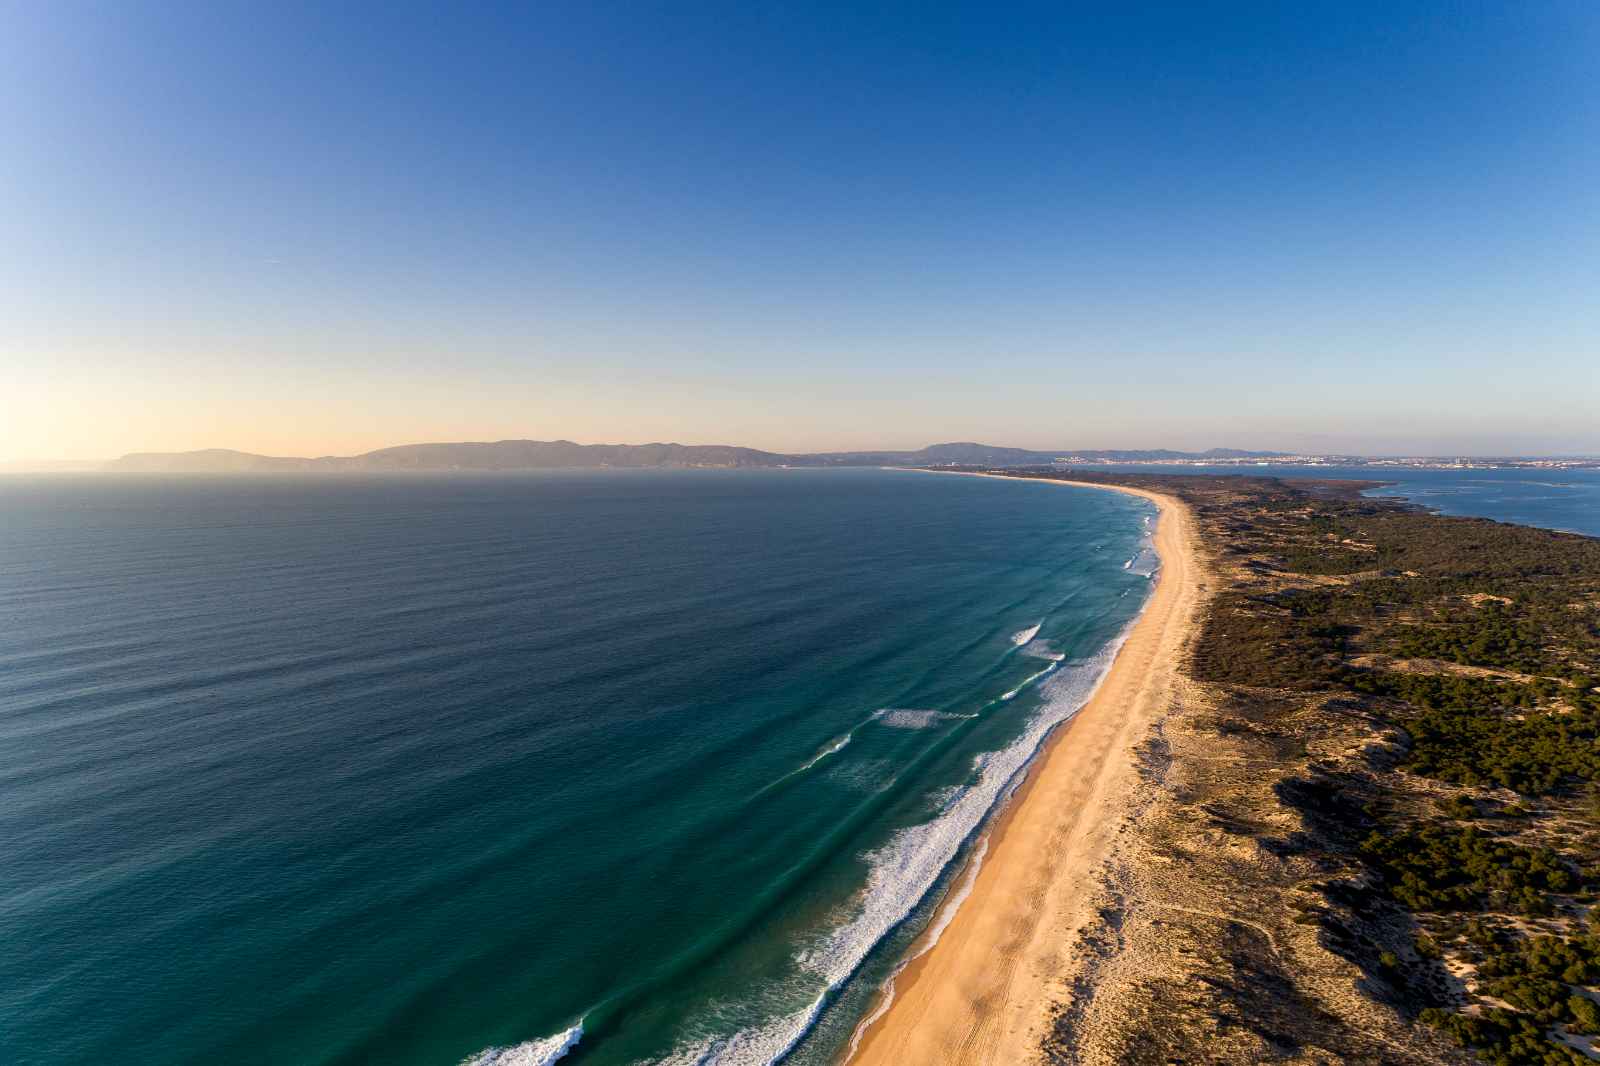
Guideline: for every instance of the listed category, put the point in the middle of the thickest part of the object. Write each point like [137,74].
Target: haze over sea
[639,766]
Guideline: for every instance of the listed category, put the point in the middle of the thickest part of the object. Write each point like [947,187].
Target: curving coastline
[986,990]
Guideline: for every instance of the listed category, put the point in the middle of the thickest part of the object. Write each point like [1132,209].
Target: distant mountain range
[564,454]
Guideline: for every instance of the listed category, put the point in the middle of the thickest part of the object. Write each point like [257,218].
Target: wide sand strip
[986,991]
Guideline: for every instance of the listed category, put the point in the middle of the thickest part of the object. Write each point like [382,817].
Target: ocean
[614,767]
[1567,500]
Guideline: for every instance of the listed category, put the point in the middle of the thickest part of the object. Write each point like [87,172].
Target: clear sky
[1355,226]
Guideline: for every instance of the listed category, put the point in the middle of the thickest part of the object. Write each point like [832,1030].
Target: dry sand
[987,990]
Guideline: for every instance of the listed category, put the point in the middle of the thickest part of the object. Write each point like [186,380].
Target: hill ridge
[527,454]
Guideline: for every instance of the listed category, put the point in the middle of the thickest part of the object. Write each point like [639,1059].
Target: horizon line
[1257,454]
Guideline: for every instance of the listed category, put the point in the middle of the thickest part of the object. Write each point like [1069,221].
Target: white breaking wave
[533,1053]
[1022,636]
[833,748]
[903,871]
[930,939]
[1146,563]
[1026,682]
[898,718]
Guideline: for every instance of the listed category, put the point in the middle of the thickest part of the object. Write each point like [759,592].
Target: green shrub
[1440,869]
[1502,1037]
[1584,1015]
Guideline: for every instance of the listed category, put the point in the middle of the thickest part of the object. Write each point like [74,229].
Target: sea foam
[1022,636]
[903,871]
[929,939]
[904,718]
[1145,562]
[1041,649]
[532,1053]
[834,747]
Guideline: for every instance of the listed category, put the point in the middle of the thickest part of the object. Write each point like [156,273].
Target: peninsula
[1336,801]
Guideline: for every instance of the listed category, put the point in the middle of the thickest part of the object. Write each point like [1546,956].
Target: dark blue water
[1567,500]
[639,766]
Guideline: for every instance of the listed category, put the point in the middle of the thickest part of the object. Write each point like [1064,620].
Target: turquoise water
[1567,500]
[637,767]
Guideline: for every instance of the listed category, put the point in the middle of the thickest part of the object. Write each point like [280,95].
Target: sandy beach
[987,990]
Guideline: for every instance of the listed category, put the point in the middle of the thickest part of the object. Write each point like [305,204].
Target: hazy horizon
[1364,230]
[42,465]
[1428,447]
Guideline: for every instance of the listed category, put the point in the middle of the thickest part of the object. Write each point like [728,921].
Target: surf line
[901,874]
[770,1044]
[833,747]
[836,746]
[1025,683]
[541,1052]
[953,900]
[1022,636]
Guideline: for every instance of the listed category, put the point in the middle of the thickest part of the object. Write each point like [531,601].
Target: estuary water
[611,768]
[1568,500]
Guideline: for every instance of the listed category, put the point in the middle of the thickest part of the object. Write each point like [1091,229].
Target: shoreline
[986,990]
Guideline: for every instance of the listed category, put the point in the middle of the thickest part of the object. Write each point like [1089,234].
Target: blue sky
[1368,227]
